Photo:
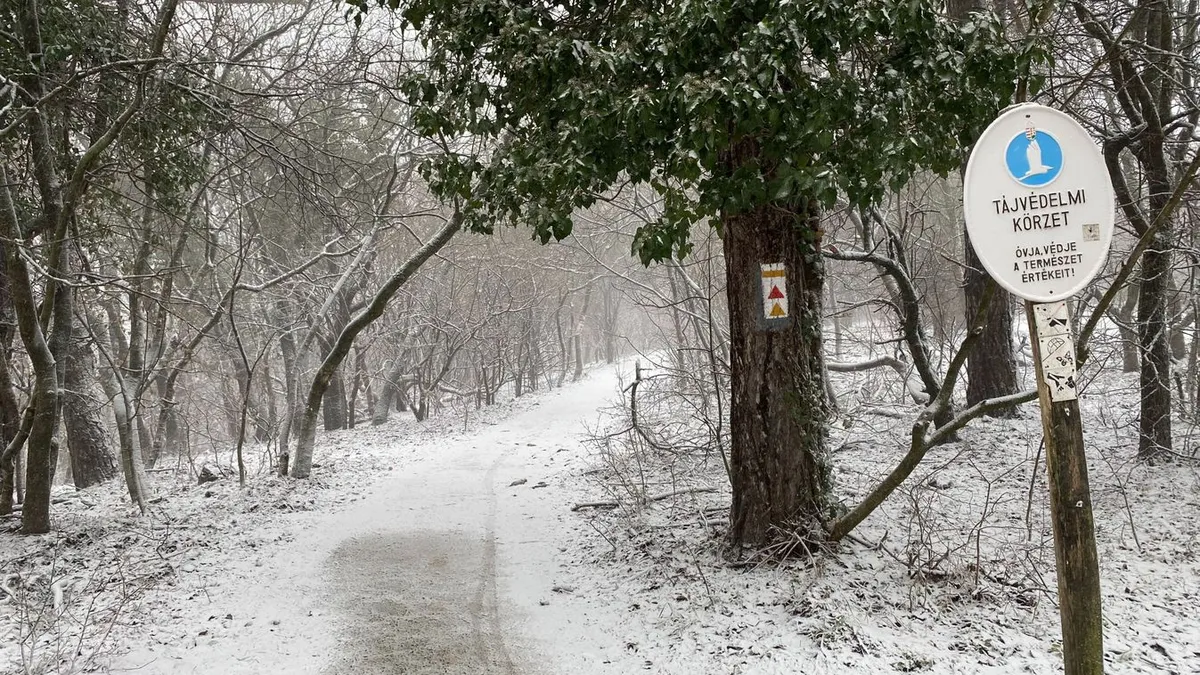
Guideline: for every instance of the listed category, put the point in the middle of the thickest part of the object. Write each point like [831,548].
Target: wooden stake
[1070,496]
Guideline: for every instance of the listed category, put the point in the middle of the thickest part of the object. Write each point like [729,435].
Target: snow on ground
[451,547]
[954,574]
[415,548]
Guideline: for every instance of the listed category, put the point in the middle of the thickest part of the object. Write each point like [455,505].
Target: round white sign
[1038,203]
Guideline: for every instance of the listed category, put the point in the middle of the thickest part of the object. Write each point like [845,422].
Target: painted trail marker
[774,292]
[1038,204]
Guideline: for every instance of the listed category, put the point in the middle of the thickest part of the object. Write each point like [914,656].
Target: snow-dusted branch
[1144,242]
[909,309]
[902,369]
[341,347]
[922,440]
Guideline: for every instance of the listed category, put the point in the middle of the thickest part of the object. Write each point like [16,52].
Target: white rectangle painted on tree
[774,291]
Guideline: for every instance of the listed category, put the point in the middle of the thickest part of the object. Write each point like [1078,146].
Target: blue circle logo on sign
[1033,158]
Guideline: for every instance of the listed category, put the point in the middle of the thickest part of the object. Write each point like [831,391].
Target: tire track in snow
[486,606]
[421,597]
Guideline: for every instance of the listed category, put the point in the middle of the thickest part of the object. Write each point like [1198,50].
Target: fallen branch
[648,500]
[902,369]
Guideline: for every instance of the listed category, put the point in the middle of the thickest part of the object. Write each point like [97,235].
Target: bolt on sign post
[1038,206]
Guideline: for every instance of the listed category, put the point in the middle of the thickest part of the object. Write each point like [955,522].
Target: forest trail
[447,567]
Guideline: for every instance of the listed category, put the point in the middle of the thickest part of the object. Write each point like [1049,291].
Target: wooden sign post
[1038,205]
[1070,495]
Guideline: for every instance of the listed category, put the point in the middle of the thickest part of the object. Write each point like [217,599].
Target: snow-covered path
[447,567]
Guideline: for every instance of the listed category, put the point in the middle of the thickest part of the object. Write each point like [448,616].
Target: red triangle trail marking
[775,293]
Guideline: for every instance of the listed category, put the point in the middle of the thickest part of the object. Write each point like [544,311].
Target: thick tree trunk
[1154,441]
[992,365]
[388,393]
[778,465]
[40,457]
[333,404]
[35,514]
[92,460]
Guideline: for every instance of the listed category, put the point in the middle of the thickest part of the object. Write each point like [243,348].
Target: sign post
[1038,205]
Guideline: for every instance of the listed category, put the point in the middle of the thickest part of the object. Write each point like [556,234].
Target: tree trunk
[10,420]
[171,439]
[334,403]
[44,397]
[519,372]
[131,452]
[578,359]
[837,323]
[992,365]
[778,465]
[291,367]
[116,389]
[92,460]
[388,393]
[1123,317]
[1154,441]
[271,424]
[1179,349]
[306,433]
[612,308]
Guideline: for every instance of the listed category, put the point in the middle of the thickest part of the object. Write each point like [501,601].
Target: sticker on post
[1056,350]
[1061,386]
[1051,318]
[774,292]
[1057,353]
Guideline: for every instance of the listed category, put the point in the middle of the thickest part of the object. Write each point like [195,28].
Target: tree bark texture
[116,388]
[992,365]
[10,420]
[778,464]
[1145,78]
[35,514]
[334,403]
[1154,439]
[92,460]
[1154,328]
[1123,316]
[388,393]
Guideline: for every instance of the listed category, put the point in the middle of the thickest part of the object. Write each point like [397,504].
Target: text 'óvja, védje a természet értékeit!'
[1047,261]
